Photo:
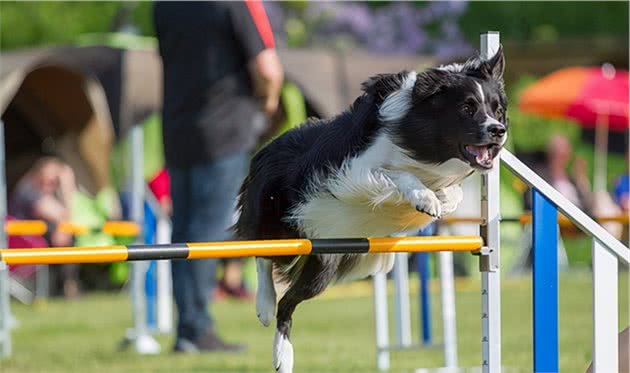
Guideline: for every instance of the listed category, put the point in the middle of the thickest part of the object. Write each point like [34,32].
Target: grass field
[331,334]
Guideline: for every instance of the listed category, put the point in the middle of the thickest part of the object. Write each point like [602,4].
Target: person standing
[222,79]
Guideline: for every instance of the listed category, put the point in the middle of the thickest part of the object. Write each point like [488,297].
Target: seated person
[576,188]
[553,169]
[45,193]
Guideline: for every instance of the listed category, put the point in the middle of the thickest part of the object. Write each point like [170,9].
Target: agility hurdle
[234,249]
[606,251]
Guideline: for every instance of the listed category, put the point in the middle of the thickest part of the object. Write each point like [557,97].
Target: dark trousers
[204,197]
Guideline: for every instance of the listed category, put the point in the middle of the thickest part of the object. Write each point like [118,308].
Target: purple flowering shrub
[395,28]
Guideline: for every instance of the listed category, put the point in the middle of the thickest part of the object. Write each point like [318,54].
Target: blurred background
[75,77]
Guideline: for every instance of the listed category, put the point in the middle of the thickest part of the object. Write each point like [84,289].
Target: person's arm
[57,210]
[50,209]
[268,76]
[625,202]
[582,183]
[67,185]
[253,32]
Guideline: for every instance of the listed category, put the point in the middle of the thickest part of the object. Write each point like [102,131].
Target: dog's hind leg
[317,273]
[266,293]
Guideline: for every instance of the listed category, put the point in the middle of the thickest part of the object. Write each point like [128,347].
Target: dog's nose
[496,130]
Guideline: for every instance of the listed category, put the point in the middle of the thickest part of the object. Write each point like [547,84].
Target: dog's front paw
[450,198]
[426,202]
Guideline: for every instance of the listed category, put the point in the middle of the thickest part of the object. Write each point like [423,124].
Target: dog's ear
[381,85]
[430,82]
[490,69]
[494,67]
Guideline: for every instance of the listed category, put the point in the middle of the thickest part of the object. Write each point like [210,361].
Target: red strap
[257,11]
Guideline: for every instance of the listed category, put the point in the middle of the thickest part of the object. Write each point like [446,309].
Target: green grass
[331,334]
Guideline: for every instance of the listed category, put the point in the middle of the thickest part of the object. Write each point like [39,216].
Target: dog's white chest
[360,200]
[325,216]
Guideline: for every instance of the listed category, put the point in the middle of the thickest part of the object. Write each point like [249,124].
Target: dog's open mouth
[481,155]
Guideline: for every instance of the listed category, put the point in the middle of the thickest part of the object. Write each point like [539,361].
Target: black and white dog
[391,164]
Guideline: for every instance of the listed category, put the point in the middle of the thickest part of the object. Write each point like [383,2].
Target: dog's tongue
[481,153]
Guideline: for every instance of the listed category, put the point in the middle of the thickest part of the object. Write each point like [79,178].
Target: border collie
[389,165]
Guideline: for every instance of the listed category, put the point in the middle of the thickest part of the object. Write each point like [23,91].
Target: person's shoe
[210,342]
[185,346]
[240,292]
[243,294]
[71,289]
[219,294]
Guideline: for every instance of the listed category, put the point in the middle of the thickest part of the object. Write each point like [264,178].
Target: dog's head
[451,112]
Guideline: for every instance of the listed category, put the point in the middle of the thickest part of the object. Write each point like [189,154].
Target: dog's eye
[469,109]
[498,113]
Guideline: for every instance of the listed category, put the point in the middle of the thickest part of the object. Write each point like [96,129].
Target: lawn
[331,334]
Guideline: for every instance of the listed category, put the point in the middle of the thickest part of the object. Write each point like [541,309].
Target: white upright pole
[449,321]
[401,300]
[489,264]
[381,321]
[5,311]
[143,342]
[605,309]
[164,281]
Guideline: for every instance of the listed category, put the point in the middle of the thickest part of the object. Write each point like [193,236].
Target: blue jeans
[204,198]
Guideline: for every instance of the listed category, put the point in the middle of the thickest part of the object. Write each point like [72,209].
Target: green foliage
[36,23]
[25,24]
[116,40]
[153,152]
[545,21]
[530,132]
[143,17]
[93,212]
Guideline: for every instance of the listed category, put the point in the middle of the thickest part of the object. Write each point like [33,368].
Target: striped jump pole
[233,249]
[120,228]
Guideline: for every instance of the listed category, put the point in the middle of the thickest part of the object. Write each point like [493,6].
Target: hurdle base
[463,370]
[144,344]
[414,346]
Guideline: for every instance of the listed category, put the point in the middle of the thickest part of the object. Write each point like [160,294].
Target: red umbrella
[587,95]
[593,97]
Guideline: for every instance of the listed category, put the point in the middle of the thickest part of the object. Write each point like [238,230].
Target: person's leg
[213,191]
[70,276]
[181,269]
[232,283]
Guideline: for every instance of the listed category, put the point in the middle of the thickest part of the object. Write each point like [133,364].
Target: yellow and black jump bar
[231,249]
[119,228]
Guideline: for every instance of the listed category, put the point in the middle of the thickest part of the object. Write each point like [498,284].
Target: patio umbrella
[593,97]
